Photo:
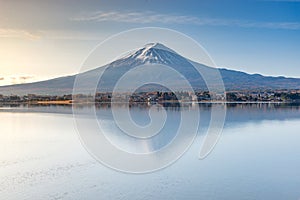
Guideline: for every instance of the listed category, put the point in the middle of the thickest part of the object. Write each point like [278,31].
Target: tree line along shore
[156,96]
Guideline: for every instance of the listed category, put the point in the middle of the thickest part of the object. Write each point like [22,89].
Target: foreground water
[257,157]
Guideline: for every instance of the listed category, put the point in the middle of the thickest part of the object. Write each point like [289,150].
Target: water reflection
[236,112]
[257,157]
[237,115]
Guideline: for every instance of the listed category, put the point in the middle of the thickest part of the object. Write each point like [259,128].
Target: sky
[42,39]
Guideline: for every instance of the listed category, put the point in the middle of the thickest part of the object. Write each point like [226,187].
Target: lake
[257,156]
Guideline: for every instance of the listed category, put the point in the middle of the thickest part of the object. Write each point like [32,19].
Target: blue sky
[50,38]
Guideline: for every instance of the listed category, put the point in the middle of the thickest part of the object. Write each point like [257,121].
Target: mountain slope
[236,80]
[153,54]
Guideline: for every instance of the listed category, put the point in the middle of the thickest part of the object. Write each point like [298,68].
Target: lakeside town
[157,97]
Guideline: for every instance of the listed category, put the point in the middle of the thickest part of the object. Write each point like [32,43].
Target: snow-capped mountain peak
[153,53]
[158,46]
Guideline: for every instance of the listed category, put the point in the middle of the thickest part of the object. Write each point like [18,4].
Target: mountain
[151,55]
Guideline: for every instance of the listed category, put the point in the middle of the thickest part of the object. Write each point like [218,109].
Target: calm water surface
[257,157]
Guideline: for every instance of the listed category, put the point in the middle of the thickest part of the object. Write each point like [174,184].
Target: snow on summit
[159,46]
[153,53]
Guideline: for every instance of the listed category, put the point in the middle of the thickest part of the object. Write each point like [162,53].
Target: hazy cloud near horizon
[25,77]
[19,33]
[20,79]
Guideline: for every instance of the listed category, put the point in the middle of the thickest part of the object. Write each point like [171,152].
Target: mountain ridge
[154,53]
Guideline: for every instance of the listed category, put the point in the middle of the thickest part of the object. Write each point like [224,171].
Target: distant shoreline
[153,97]
[66,107]
[70,102]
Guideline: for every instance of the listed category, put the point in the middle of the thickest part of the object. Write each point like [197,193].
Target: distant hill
[152,54]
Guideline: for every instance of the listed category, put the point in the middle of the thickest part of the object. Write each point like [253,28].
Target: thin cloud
[25,77]
[20,79]
[19,33]
[139,17]
[152,17]
[47,34]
